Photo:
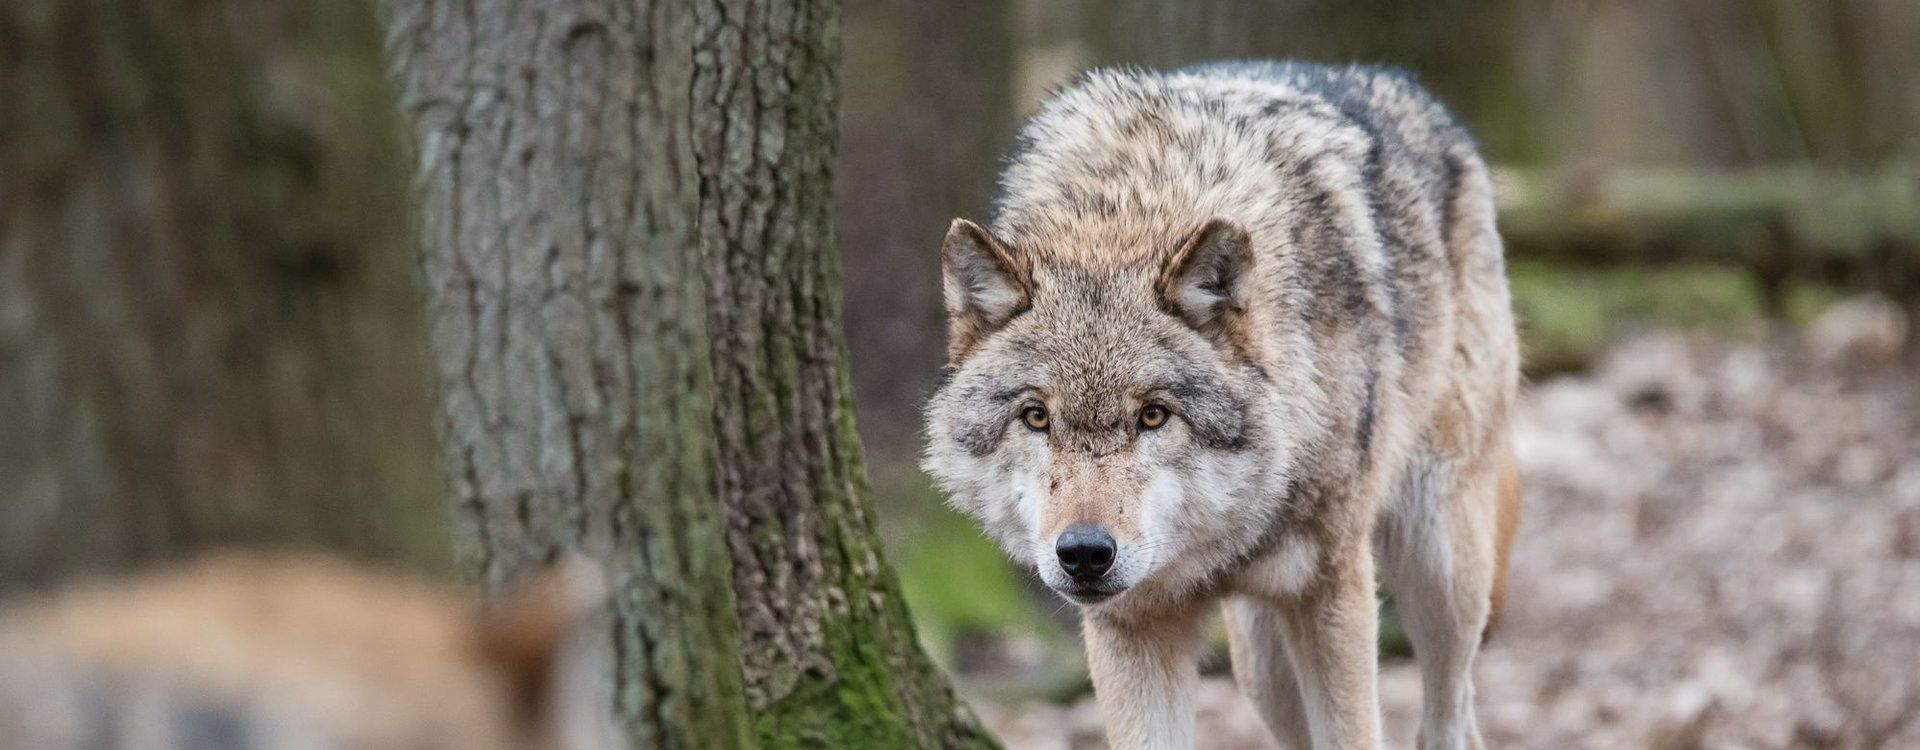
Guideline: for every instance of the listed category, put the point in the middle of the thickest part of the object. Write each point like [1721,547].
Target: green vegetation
[956,580]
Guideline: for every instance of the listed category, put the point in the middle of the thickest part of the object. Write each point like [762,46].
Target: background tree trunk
[208,326]
[582,164]
[928,109]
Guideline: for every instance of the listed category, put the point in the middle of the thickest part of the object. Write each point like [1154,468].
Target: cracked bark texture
[209,331]
[557,198]
[829,653]
[626,213]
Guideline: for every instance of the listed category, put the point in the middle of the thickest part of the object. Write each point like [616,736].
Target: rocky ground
[1721,550]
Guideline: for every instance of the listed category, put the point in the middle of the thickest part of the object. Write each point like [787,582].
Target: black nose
[1086,552]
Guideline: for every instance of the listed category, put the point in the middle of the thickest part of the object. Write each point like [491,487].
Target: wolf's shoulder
[1386,103]
[1121,156]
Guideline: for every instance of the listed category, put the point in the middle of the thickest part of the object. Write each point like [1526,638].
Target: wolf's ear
[984,285]
[525,635]
[1204,282]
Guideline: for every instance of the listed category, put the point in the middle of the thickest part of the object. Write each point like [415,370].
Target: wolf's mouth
[1087,596]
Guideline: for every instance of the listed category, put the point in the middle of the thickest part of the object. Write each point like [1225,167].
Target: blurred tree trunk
[208,325]
[629,242]
[557,198]
[929,110]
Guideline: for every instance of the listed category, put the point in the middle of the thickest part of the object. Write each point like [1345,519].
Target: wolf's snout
[1086,552]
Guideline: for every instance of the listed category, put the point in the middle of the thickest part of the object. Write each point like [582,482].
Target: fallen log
[1857,229]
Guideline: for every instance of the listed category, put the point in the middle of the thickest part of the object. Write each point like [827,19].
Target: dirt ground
[1721,549]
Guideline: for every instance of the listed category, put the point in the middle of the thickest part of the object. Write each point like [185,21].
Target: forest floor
[1721,548]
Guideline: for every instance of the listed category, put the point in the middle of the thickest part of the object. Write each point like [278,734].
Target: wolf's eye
[1152,416]
[1035,417]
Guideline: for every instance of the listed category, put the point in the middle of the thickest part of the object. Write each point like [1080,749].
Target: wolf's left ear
[525,635]
[1204,282]
[984,284]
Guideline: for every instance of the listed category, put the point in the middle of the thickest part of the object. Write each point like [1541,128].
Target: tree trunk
[591,173]
[208,325]
[830,656]
[557,197]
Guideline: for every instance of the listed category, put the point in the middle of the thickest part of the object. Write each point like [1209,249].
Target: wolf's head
[1108,424]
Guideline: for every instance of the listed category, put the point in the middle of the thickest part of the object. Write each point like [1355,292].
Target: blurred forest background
[1767,136]
[470,289]
[1685,181]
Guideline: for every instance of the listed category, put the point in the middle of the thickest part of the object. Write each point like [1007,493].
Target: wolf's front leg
[1265,674]
[1332,633]
[1144,675]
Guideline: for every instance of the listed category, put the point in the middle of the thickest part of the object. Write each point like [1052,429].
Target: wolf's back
[1124,158]
[1386,102]
[1371,197]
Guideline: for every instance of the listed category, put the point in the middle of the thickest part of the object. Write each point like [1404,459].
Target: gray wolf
[249,651]
[1241,334]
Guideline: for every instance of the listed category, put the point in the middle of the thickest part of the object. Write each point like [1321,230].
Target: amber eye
[1035,417]
[1152,416]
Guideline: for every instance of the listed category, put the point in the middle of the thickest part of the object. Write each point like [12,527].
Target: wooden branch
[1854,228]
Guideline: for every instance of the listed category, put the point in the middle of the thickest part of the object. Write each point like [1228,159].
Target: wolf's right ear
[984,284]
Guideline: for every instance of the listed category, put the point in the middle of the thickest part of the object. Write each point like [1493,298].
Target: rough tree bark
[830,656]
[557,214]
[208,325]
[590,173]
